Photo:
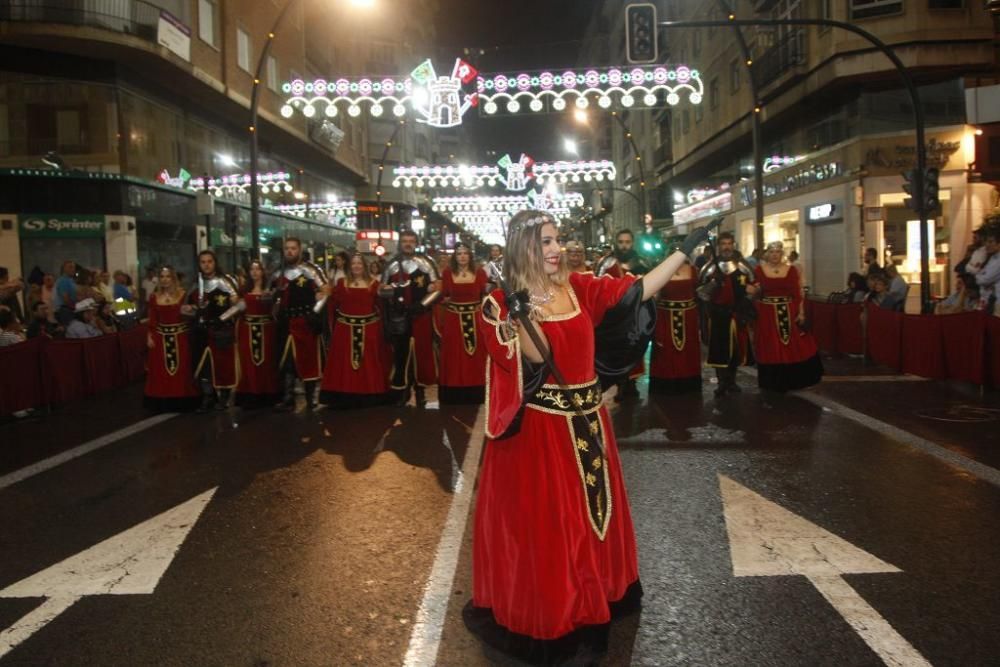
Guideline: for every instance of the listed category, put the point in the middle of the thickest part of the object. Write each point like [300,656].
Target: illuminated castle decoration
[439,99]
[517,173]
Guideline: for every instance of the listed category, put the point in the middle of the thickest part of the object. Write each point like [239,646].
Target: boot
[631,390]
[722,384]
[310,387]
[732,387]
[224,395]
[207,397]
[287,403]
[421,397]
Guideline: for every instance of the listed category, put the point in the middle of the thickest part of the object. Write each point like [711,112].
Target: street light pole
[254,103]
[644,203]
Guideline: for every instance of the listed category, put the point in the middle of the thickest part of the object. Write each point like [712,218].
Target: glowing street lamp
[569,145]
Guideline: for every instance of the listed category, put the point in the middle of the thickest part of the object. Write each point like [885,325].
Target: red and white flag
[464,71]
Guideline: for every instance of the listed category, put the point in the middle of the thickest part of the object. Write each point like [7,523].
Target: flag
[504,162]
[163,176]
[184,176]
[464,71]
[424,72]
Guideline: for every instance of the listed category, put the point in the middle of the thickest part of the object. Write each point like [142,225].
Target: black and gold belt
[171,329]
[678,328]
[579,404]
[782,315]
[357,323]
[171,353]
[665,304]
[467,320]
[258,319]
[775,300]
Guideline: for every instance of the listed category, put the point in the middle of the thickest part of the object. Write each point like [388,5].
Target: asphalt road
[329,536]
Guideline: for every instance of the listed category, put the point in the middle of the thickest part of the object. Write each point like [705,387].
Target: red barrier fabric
[993,349]
[849,340]
[63,371]
[102,364]
[885,335]
[132,348]
[923,346]
[823,317]
[964,338]
[21,379]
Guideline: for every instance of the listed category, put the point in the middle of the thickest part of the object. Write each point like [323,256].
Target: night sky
[516,35]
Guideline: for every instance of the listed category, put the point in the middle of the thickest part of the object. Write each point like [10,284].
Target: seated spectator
[102,284]
[963,299]
[9,290]
[105,320]
[857,288]
[83,324]
[10,328]
[897,286]
[40,324]
[988,277]
[880,295]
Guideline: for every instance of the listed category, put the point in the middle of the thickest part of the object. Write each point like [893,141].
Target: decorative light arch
[275,182]
[343,212]
[471,177]
[558,205]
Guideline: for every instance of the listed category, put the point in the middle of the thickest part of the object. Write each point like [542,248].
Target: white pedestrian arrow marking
[766,540]
[130,563]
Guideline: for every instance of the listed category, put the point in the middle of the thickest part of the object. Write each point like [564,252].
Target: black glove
[697,237]
[518,303]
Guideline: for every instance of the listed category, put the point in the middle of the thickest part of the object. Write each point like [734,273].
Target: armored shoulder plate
[707,271]
[605,265]
[221,283]
[314,272]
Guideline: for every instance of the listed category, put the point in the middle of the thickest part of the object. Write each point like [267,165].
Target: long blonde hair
[177,290]
[523,264]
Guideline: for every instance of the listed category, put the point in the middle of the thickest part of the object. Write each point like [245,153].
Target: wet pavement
[319,544]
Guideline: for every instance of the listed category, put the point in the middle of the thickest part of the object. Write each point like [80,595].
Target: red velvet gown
[170,385]
[258,353]
[358,361]
[462,376]
[787,357]
[553,544]
[676,359]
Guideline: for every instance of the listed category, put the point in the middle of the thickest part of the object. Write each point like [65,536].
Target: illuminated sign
[515,176]
[824,212]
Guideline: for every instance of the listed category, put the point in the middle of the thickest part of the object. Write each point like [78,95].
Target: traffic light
[931,201]
[640,32]
[910,188]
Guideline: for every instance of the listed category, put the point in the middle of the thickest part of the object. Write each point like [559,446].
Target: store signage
[62,226]
[221,238]
[793,179]
[174,35]
[706,207]
[905,156]
[831,210]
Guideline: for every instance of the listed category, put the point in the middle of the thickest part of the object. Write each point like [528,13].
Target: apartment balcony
[130,17]
[788,54]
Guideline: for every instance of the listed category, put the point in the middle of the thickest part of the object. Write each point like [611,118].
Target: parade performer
[726,286]
[575,260]
[618,264]
[170,385]
[463,359]
[675,363]
[787,355]
[255,336]
[300,289]
[214,305]
[554,554]
[357,364]
[409,287]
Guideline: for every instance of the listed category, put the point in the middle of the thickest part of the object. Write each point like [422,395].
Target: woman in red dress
[357,364]
[170,385]
[676,357]
[462,373]
[787,355]
[256,345]
[554,555]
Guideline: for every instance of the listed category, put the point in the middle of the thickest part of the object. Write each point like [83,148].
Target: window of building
[826,11]
[734,75]
[713,93]
[686,121]
[243,49]
[866,9]
[272,73]
[207,14]
[946,4]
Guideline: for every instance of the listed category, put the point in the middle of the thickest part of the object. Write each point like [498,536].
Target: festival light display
[275,182]
[339,212]
[442,101]
[514,176]
[776,162]
[558,205]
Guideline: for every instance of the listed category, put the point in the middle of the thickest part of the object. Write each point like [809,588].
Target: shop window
[243,49]
[56,129]
[866,9]
[272,73]
[207,21]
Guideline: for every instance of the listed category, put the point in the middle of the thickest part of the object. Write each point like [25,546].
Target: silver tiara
[539,219]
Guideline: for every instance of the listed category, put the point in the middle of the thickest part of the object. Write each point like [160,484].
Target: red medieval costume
[787,356]
[463,358]
[216,337]
[170,385]
[357,362]
[554,555]
[406,283]
[728,310]
[256,340]
[675,366]
[300,345]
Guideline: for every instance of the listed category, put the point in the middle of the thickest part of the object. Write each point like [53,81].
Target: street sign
[129,563]
[766,540]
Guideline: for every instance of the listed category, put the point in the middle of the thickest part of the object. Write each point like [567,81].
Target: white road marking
[766,540]
[985,472]
[87,447]
[425,639]
[129,563]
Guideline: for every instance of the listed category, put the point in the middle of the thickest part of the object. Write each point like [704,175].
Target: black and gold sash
[782,315]
[255,323]
[357,324]
[171,355]
[676,309]
[587,440]
[467,320]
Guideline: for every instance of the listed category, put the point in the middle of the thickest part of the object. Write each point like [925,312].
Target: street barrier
[962,346]
[44,372]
